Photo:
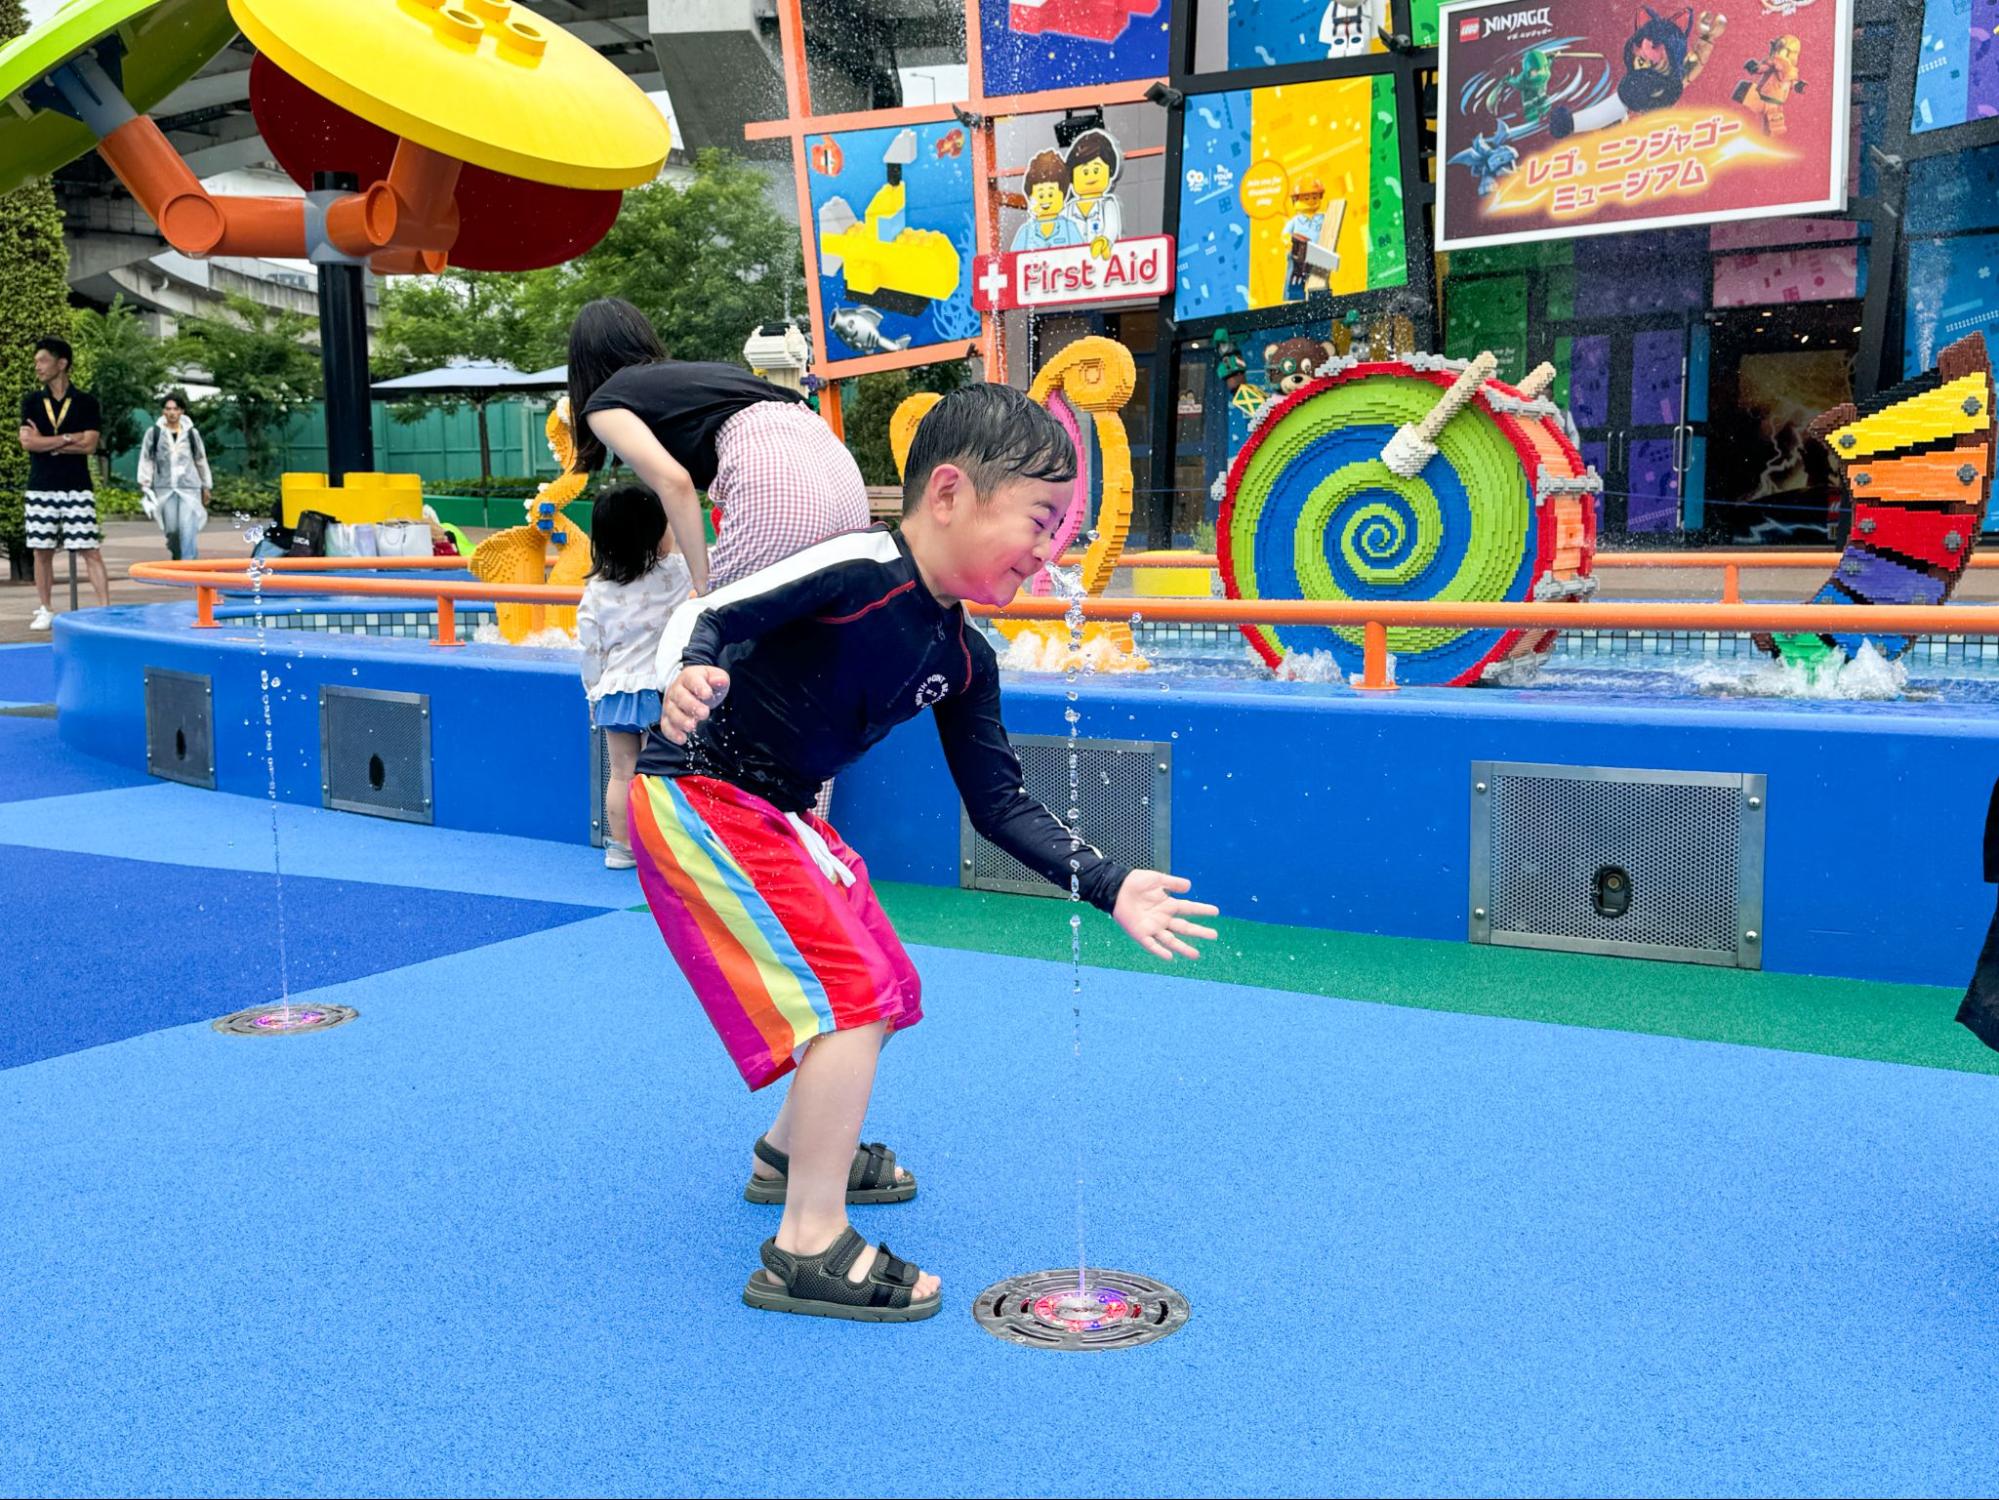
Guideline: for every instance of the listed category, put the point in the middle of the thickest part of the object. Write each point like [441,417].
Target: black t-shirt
[76,412]
[685,404]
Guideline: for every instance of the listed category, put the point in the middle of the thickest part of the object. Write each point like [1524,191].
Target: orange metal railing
[1729,564]
[1374,618]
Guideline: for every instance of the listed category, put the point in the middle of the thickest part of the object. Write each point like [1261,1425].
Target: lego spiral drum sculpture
[1503,508]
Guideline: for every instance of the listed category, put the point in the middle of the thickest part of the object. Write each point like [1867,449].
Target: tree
[872,400]
[124,367]
[707,263]
[34,302]
[260,362]
[429,321]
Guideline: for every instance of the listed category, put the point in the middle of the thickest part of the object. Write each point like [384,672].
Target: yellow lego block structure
[362,499]
[1957,408]
[520,554]
[902,425]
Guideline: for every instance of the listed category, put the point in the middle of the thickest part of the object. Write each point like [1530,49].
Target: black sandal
[871,1179]
[817,1286]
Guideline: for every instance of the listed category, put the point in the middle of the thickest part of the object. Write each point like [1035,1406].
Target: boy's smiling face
[984,549]
[1045,202]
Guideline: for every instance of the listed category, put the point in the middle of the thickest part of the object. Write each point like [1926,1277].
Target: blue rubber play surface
[27,675]
[489,1238]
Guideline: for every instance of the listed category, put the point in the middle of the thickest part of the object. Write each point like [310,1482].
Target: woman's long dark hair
[608,335]
[626,525]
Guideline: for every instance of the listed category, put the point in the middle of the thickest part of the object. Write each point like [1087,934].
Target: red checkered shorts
[783,482]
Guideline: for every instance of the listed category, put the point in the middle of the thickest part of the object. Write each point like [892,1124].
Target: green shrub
[500,486]
[34,300]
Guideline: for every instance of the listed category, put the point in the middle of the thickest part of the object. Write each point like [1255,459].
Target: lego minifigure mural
[1289,191]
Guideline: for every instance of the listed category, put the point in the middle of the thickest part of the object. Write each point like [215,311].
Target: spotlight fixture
[1164,96]
[1074,122]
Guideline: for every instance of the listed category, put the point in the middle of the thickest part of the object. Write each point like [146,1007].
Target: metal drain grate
[180,727]
[1125,795]
[1604,859]
[284,1020]
[374,752]
[1044,1310]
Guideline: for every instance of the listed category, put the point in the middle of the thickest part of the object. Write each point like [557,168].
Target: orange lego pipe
[194,221]
[408,262]
[412,209]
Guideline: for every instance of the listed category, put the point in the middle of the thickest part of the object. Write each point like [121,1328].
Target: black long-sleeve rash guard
[827,652]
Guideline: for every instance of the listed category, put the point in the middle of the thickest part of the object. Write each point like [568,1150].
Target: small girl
[636,582]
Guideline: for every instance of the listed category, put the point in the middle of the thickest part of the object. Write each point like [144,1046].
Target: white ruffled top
[618,625]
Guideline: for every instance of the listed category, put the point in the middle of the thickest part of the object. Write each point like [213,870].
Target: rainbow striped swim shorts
[771,918]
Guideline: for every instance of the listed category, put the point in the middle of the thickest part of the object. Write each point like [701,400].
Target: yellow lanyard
[56,417]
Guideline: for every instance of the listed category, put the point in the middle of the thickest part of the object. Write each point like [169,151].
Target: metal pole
[72,576]
[343,356]
[1163,424]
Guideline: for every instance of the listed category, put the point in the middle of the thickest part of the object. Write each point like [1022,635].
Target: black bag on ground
[309,536]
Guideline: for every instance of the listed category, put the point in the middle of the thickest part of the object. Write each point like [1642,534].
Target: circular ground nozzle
[284,1020]
[1080,1314]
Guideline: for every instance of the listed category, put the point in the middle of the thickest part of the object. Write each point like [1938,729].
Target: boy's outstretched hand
[689,699]
[1150,909]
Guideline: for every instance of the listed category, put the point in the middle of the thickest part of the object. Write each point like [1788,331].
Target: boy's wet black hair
[995,434]
[626,524]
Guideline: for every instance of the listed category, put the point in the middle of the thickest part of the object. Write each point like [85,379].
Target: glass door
[1637,389]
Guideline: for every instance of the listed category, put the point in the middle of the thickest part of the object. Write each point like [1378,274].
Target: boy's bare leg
[779,1135]
[822,1114]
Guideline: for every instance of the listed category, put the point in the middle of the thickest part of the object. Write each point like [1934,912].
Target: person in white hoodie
[174,481]
[636,582]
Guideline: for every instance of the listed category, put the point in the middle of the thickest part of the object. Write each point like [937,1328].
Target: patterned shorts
[783,483]
[777,951]
[68,517]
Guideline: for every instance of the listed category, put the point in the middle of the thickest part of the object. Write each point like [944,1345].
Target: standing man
[173,477]
[59,426]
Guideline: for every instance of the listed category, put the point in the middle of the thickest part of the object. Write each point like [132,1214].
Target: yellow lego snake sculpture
[1093,376]
[520,554]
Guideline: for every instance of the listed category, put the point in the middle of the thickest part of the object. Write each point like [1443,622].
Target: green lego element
[1350,508]
[157,45]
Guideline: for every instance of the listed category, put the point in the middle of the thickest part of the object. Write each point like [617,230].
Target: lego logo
[1468,29]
